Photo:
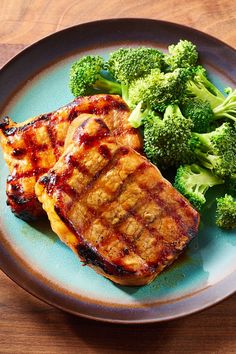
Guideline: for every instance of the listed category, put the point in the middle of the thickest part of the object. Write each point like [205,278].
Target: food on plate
[113,208]
[32,147]
[158,90]
[226,212]
[181,55]
[166,139]
[82,163]
[88,75]
[172,100]
[193,181]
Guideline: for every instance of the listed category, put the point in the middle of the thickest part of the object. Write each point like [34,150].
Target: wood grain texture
[30,326]
[25,21]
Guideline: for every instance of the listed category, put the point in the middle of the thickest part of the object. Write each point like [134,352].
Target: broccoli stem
[107,85]
[227,109]
[203,94]
[125,93]
[207,160]
[211,87]
[136,116]
[204,139]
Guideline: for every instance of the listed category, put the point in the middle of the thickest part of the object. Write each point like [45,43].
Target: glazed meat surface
[113,208]
[31,148]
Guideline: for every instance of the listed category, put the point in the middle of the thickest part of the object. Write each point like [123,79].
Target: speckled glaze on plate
[36,81]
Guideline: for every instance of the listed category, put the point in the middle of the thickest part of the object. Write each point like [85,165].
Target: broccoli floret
[203,115]
[200,112]
[128,64]
[226,212]
[199,86]
[166,140]
[193,182]
[216,150]
[86,77]
[181,55]
[227,109]
[158,90]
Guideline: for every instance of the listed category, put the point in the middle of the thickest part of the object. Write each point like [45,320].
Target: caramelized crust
[31,148]
[113,208]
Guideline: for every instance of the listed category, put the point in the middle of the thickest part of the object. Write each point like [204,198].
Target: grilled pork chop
[114,209]
[31,148]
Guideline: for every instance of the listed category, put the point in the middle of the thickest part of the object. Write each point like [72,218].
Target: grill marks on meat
[31,148]
[113,207]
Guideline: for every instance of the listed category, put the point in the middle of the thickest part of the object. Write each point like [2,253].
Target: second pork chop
[114,209]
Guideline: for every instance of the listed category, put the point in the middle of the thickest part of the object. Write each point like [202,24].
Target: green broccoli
[200,112]
[203,115]
[137,116]
[166,140]
[226,212]
[216,150]
[128,64]
[158,90]
[193,182]
[181,55]
[86,77]
[199,86]
[227,109]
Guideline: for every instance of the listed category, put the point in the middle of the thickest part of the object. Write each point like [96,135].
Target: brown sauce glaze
[104,151]
[19,152]
[91,140]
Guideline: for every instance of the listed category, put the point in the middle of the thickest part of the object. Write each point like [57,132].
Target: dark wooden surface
[30,326]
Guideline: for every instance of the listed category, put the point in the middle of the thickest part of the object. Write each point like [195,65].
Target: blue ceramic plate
[36,81]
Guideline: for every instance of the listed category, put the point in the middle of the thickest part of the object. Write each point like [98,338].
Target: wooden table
[28,325]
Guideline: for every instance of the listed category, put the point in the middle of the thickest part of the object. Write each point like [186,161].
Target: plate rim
[94,23]
[68,28]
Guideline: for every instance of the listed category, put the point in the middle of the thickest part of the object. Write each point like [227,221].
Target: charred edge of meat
[12,131]
[36,172]
[25,209]
[192,232]
[44,179]
[90,256]
[18,199]
[49,181]
[109,103]
[25,215]
[43,117]
[4,122]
